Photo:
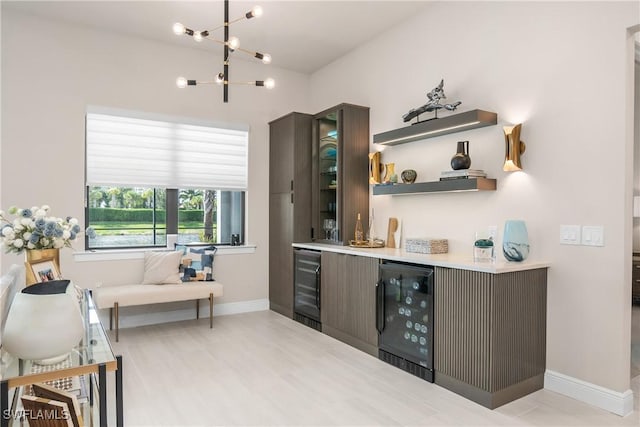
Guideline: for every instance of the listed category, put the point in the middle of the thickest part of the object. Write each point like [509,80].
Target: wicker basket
[426,245]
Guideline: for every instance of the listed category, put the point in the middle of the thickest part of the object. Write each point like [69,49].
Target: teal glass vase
[515,241]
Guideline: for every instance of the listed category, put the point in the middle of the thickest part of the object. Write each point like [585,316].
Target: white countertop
[450,260]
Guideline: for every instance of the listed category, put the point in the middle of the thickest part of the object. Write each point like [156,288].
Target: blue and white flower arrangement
[35,229]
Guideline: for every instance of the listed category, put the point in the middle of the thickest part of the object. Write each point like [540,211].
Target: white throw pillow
[161,268]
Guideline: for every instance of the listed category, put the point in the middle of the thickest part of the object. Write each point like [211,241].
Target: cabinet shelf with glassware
[339,170]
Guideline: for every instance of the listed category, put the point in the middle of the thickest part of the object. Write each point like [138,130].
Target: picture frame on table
[44,270]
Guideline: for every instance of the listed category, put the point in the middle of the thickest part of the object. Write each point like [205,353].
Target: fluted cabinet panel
[462,325]
[519,342]
[490,333]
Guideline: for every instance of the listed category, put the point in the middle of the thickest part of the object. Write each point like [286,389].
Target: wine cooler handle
[380,321]
[318,286]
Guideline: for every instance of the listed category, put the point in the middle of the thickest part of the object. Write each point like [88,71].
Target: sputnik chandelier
[231,44]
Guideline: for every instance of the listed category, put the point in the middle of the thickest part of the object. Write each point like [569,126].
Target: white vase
[46,326]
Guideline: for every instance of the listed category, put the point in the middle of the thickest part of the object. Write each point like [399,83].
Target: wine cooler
[306,288]
[404,317]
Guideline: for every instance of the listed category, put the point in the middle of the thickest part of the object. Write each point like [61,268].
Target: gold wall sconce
[375,168]
[513,148]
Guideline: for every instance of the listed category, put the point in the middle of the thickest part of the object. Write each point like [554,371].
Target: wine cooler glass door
[405,312]
[307,284]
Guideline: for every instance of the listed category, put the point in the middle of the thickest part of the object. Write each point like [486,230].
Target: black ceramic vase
[461,159]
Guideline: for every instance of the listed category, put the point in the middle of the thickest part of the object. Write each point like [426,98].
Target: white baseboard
[152,318]
[237,307]
[609,400]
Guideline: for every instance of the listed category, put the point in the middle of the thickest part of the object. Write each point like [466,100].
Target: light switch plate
[593,235]
[570,235]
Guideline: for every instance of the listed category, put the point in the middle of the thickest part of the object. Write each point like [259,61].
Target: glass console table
[86,366]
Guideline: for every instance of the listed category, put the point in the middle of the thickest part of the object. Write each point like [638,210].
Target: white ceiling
[302,36]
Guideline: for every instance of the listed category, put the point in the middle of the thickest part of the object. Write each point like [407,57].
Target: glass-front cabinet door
[340,172]
[328,158]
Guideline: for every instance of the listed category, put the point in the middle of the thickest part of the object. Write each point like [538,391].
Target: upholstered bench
[114,297]
[161,284]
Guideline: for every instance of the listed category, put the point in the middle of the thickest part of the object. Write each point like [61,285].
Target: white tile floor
[263,369]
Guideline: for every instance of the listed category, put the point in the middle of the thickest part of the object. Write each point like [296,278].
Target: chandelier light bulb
[181,82]
[178,28]
[233,43]
[269,83]
[197,36]
[256,12]
[220,78]
[266,58]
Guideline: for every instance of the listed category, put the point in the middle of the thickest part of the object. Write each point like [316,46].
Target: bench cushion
[124,295]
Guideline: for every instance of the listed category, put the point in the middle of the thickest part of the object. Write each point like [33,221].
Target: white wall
[52,71]
[558,68]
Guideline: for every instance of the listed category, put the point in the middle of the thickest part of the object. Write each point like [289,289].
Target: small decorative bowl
[408,176]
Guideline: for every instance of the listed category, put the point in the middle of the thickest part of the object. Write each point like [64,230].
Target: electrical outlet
[98,285]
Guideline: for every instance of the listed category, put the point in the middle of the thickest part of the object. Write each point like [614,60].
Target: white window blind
[123,150]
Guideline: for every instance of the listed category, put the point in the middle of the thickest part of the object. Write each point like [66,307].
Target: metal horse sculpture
[434,96]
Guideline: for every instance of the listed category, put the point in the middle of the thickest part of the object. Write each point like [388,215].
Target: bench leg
[115,309]
[211,310]
[111,318]
[197,309]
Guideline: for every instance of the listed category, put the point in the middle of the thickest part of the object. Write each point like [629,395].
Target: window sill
[122,254]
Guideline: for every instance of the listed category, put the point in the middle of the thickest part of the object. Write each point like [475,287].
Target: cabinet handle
[292,197]
[380,320]
[318,287]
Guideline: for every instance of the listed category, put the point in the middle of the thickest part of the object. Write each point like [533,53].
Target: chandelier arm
[215,29]
[214,40]
[229,23]
[237,20]
[249,52]
[251,83]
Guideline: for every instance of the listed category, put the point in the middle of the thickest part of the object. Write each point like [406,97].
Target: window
[149,177]
[127,217]
[210,216]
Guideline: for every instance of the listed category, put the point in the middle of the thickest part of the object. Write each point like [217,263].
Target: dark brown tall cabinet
[340,185]
[289,202]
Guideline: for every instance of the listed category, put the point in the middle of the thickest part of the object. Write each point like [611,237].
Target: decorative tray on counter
[367,244]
